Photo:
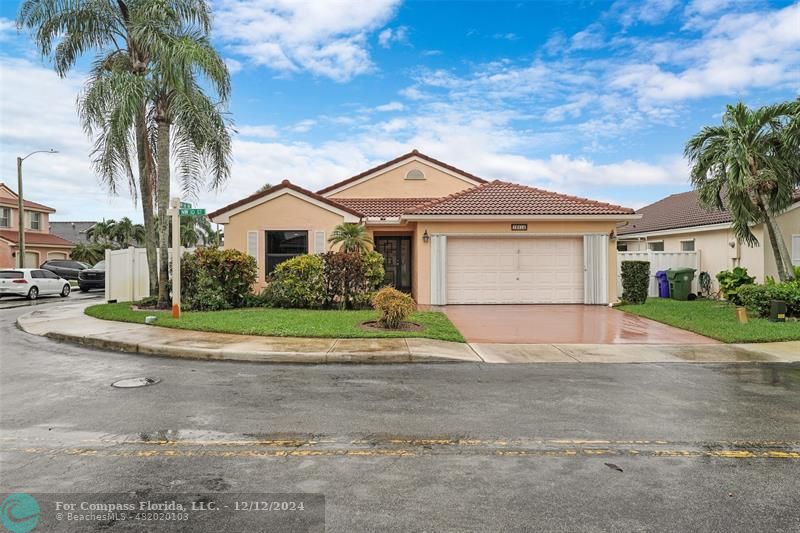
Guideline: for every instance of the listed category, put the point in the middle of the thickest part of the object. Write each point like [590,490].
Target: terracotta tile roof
[285,184]
[412,153]
[12,202]
[382,207]
[32,238]
[503,198]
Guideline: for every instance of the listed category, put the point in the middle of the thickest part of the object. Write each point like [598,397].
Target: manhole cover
[134,382]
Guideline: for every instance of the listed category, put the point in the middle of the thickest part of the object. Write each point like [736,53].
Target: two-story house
[40,244]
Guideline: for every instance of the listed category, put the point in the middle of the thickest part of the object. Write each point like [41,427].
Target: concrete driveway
[562,324]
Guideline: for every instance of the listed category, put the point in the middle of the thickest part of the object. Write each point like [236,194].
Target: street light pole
[21,205]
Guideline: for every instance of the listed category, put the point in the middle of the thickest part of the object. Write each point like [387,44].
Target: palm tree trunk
[163,219]
[146,183]
[783,261]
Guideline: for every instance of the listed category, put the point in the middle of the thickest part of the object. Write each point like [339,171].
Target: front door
[396,252]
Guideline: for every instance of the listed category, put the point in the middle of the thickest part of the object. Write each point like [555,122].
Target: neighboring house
[74,232]
[678,223]
[447,236]
[40,244]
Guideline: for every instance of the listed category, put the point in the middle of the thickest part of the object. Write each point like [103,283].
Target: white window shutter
[595,261]
[252,244]
[319,242]
[796,250]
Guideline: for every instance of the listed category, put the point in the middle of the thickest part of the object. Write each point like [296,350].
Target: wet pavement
[562,324]
[416,447]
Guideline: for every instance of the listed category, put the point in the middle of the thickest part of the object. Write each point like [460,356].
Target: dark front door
[396,252]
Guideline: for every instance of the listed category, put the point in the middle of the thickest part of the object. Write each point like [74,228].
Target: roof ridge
[407,155]
[285,184]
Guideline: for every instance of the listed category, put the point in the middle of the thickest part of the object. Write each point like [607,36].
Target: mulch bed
[373,325]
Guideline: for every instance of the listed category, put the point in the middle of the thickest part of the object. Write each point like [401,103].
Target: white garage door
[514,270]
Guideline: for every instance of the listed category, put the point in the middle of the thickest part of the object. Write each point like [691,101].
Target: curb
[206,354]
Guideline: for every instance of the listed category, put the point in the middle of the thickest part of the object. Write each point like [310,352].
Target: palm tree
[125,232]
[121,33]
[742,165]
[200,134]
[88,253]
[102,232]
[351,236]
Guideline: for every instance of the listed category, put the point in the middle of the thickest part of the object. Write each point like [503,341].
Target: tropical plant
[705,283]
[149,53]
[748,165]
[88,253]
[102,232]
[197,230]
[213,279]
[126,233]
[298,282]
[635,281]
[351,236]
[393,306]
[758,298]
[730,281]
[264,187]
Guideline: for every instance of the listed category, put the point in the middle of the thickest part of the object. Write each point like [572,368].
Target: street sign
[188,212]
[186,205]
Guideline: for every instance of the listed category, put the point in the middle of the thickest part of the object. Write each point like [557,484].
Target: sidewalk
[69,323]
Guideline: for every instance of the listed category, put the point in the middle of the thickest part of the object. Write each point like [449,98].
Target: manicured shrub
[345,279]
[757,297]
[635,281]
[393,306]
[373,269]
[730,282]
[297,282]
[213,279]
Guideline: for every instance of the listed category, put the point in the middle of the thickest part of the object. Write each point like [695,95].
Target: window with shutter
[252,243]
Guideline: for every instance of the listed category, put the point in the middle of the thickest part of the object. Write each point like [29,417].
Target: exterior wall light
[426,237]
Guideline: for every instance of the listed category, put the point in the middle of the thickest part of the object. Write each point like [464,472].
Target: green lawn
[714,319]
[283,322]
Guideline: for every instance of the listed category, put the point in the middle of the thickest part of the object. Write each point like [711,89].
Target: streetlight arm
[50,151]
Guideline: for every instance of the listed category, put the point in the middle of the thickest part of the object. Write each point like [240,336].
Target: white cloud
[8,29]
[393,35]
[260,132]
[303,126]
[391,106]
[233,65]
[506,36]
[588,39]
[630,12]
[325,38]
[737,53]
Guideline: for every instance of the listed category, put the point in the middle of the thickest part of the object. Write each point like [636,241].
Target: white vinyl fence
[127,276]
[659,261]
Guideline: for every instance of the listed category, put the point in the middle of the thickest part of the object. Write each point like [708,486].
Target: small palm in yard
[749,165]
[351,236]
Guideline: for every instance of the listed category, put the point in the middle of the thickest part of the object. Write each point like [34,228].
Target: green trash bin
[680,282]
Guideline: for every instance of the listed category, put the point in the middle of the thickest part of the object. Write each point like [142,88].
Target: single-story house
[678,223]
[447,236]
[40,244]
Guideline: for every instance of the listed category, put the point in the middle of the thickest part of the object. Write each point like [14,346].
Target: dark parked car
[64,268]
[93,278]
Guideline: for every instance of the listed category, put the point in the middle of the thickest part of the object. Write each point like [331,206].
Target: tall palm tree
[351,236]
[88,253]
[120,32]
[186,117]
[742,165]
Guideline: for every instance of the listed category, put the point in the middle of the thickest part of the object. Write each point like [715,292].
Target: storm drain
[130,383]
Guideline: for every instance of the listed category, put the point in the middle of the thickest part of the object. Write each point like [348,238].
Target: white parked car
[32,283]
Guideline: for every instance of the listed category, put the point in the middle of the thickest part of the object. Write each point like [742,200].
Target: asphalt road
[423,447]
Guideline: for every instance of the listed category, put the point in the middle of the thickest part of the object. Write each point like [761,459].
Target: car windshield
[10,274]
[100,265]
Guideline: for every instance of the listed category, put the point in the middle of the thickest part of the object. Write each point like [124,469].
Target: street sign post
[176,207]
[185,205]
[190,212]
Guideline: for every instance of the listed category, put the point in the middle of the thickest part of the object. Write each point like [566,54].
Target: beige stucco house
[678,223]
[40,244]
[447,236]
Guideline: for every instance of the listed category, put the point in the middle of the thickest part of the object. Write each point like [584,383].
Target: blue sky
[588,98]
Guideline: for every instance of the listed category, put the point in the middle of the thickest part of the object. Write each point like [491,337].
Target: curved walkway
[69,323]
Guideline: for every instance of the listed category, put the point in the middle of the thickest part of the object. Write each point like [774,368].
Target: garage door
[514,270]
